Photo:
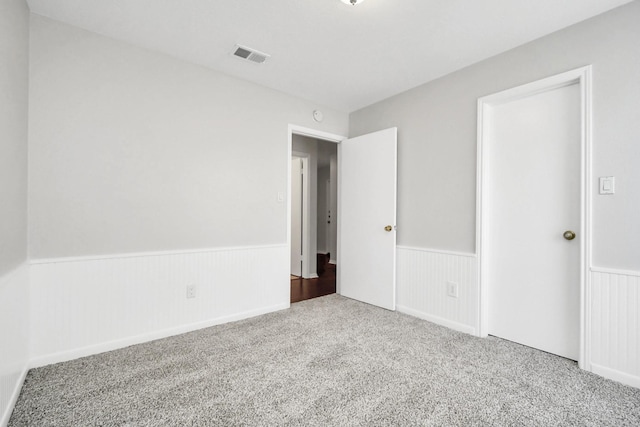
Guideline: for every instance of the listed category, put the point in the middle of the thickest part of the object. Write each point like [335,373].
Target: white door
[534,197]
[296,216]
[367,204]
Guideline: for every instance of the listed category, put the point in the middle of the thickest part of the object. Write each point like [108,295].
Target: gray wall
[437,136]
[323,208]
[134,151]
[14,47]
[326,150]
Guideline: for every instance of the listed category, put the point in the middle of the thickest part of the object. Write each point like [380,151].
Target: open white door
[296,215]
[367,218]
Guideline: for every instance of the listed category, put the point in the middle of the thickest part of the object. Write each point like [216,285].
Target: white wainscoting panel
[89,305]
[14,333]
[615,325]
[421,288]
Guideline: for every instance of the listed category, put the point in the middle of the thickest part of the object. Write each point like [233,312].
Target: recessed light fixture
[352,2]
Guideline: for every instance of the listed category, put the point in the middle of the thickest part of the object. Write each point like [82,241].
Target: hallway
[325,284]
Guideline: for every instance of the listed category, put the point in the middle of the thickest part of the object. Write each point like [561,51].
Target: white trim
[631,273]
[313,133]
[483,318]
[437,320]
[437,251]
[306,212]
[143,338]
[586,90]
[338,220]
[11,403]
[581,76]
[147,254]
[326,215]
[615,375]
[539,86]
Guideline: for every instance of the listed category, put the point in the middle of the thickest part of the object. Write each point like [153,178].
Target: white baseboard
[612,374]
[8,410]
[139,339]
[437,320]
[333,261]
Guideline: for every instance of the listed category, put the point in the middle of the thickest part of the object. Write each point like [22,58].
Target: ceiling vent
[250,54]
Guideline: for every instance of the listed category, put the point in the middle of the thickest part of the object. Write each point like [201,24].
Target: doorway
[315,227]
[533,232]
[366,214]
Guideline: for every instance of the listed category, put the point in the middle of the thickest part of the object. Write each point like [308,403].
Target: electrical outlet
[452,289]
[191,291]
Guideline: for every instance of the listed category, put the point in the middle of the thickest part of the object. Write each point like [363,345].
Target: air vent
[250,54]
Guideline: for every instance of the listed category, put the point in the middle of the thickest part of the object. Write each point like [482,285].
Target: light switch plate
[452,289]
[607,185]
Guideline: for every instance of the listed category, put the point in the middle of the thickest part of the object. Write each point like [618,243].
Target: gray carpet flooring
[329,361]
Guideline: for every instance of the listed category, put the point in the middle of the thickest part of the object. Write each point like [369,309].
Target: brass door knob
[388,228]
[569,235]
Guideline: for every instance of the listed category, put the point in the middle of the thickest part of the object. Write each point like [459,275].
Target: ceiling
[340,56]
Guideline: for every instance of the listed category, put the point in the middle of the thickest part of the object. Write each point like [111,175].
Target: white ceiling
[340,56]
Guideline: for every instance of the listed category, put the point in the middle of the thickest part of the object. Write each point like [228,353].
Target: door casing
[581,77]
[304,231]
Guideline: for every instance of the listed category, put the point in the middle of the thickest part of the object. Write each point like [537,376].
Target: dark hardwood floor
[325,284]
